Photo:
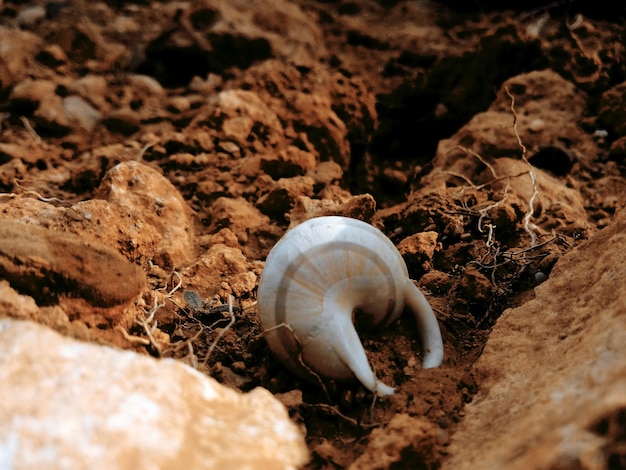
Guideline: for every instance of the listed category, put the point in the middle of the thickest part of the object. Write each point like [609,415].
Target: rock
[535,98]
[92,88]
[105,408]
[418,251]
[14,151]
[222,270]
[30,17]
[237,214]
[485,150]
[93,220]
[122,121]
[143,190]
[178,104]
[16,305]
[23,307]
[38,98]
[360,207]
[326,174]
[307,110]
[475,285]
[612,105]
[410,442]
[246,119]
[145,84]
[87,279]
[213,36]
[282,197]
[81,112]
[53,56]
[288,163]
[552,377]
[436,282]
[16,52]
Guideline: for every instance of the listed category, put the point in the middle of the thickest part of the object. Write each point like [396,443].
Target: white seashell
[315,278]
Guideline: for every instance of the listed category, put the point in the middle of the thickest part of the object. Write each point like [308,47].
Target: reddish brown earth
[178,141]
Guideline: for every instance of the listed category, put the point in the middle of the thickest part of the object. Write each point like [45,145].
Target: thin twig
[223,331]
[481,160]
[30,129]
[39,196]
[132,339]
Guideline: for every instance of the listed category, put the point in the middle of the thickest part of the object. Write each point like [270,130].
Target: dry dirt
[188,136]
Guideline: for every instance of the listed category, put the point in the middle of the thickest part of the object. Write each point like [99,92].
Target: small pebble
[540,277]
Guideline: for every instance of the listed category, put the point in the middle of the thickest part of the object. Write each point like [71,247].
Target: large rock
[69,404]
[553,373]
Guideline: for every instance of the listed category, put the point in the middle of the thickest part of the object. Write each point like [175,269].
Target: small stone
[178,104]
[52,56]
[282,198]
[475,285]
[17,49]
[339,203]
[30,17]
[220,268]
[78,110]
[237,214]
[536,125]
[14,151]
[39,98]
[146,84]
[326,173]
[418,251]
[92,88]
[288,163]
[403,436]
[122,121]
[145,191]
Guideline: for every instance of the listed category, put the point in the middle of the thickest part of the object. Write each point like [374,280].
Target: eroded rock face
[68,404]
[553,374]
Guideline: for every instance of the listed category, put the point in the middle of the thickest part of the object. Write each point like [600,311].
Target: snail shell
[316,277]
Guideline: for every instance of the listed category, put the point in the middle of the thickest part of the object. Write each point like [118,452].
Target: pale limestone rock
[66,404]
[552,376]
[80,112]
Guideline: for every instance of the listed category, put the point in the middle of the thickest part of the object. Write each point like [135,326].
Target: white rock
[77,109]
[65,404]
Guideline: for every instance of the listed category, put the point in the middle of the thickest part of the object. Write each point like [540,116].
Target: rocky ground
[152,153]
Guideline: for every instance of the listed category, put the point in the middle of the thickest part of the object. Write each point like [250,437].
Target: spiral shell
[316,277]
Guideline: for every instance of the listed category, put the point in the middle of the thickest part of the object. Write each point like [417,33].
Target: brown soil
[414,116]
